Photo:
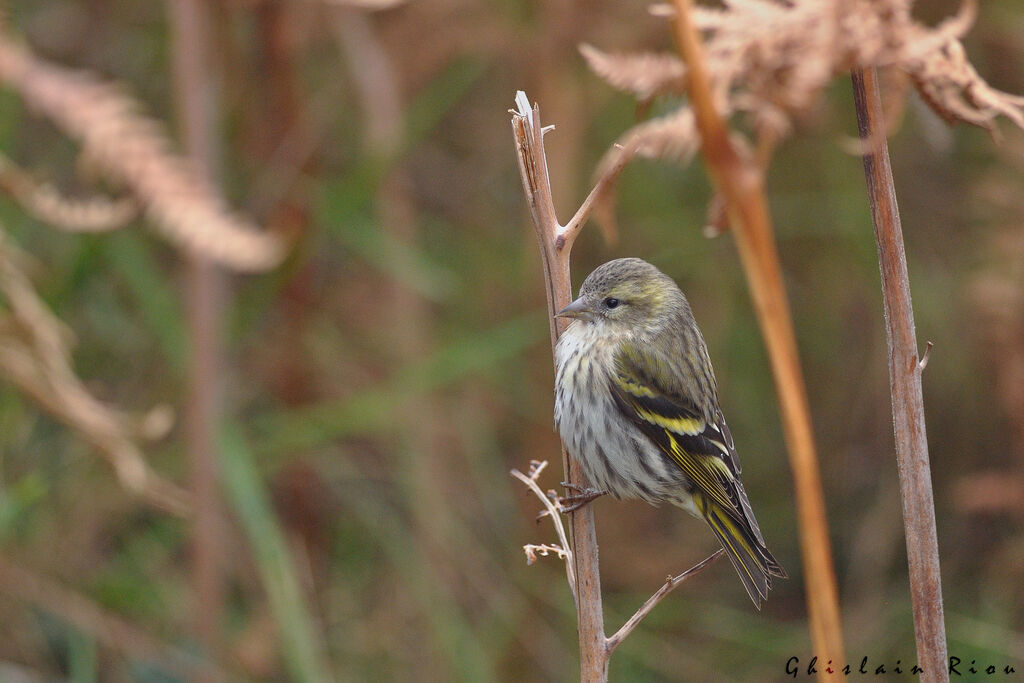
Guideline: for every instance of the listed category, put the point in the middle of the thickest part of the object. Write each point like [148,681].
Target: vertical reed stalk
[204,303]
[555,244]
[905,368]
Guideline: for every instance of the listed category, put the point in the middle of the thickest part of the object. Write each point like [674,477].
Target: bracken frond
[645,75]
[45,202]
[949,84]
[35,355]
[770,60]
[134,152]
[671,137]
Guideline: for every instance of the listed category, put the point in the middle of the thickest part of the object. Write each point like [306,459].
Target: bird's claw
[582,496]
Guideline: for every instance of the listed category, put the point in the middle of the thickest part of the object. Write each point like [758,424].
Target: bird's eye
[611,302]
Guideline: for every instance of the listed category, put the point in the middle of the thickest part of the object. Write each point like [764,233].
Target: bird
[636,404]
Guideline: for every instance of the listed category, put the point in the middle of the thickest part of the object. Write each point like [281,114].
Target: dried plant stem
[205,303]
[740,183]
[555,244]
[551,510]
[905,370]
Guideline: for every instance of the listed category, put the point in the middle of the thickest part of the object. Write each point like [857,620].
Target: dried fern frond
[133,151]
[645,75]
[672,137]
[35,355]
[45,202]
[770,60]
[949,84]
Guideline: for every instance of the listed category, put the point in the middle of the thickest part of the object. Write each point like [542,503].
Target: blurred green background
[382,382]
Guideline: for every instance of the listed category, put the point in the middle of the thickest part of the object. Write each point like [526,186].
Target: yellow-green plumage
[637,405]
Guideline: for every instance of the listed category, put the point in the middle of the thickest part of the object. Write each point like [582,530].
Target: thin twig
[670,585]
[556,518]
[905,385]
[740,182]
[603,184]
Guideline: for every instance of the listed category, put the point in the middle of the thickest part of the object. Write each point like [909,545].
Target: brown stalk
[740,183]
[905,368]
[191,26]
[555,244]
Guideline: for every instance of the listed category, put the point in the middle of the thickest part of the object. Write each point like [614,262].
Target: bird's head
[628,296]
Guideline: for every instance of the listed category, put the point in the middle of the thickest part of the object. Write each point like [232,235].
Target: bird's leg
[581,496]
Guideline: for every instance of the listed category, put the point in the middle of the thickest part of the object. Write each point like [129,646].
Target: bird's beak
[577,309]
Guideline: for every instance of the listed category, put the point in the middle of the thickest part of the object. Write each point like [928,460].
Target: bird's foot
[580,497]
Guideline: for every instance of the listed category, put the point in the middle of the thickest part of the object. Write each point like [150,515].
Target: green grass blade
[301,641]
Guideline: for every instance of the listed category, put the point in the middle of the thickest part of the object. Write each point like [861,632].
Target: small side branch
[923,363]
[603,185]
[551,510]
[670,585]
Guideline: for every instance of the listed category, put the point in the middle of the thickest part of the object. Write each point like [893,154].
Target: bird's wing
[697,440]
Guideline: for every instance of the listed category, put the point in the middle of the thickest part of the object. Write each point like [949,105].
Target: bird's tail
[745,548]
